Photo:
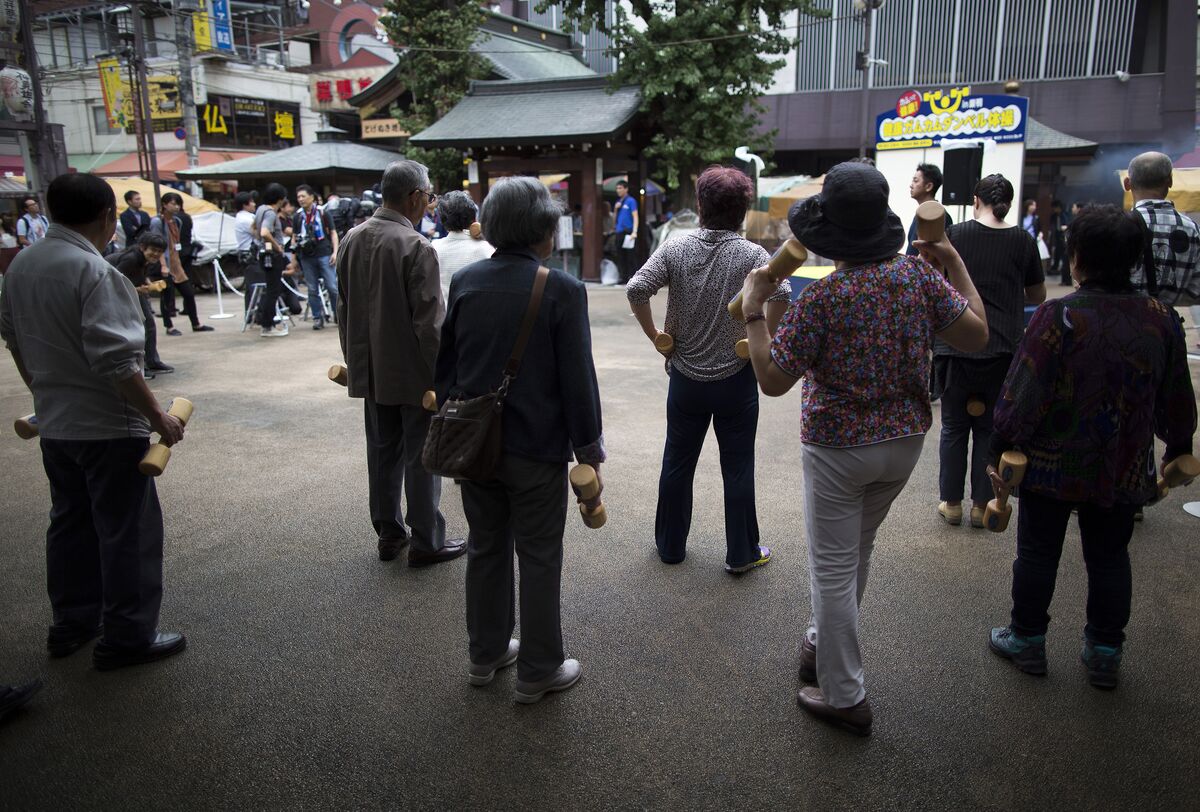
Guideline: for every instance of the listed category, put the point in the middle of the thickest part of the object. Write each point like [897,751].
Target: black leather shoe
[64,645]
[171,331]
[160,369]
[203,328]
[166,644]
[390,548]
[453,549]
[14,696]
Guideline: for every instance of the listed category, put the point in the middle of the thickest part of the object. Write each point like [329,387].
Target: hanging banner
[114,92]
[202,28]
[222,32]
[925,120]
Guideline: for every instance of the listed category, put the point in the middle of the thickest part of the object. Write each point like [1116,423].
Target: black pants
[273,276]
[105,542]
[1105,532]
[523,509]
[960,379]
[189,302]
[152,359]
[395,438]
[732,407]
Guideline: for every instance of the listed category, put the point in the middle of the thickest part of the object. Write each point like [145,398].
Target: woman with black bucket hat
[860,339]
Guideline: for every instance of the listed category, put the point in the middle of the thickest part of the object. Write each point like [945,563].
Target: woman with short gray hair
[552,412]
[458,248]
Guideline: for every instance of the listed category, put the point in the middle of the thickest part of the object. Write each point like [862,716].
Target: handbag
[464,440]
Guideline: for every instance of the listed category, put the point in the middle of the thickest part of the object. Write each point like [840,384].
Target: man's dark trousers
[523,508]
[152,359]
[105,543]
[395,438]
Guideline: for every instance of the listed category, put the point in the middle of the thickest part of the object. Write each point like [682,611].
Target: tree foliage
[433,40]
[702,67]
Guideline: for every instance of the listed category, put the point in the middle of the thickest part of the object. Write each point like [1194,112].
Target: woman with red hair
[709,383]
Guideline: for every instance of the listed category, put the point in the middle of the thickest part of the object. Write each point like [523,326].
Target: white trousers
[847,495]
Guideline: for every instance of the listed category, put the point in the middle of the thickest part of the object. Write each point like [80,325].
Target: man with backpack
[32,225]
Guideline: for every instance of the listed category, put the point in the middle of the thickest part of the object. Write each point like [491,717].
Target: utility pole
[143,99]
[864,63]
[187,98]
[43,162]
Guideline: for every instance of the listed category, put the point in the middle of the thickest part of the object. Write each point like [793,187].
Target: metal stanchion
[219,277]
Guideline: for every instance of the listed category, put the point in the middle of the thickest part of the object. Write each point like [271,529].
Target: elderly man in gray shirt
[74,327]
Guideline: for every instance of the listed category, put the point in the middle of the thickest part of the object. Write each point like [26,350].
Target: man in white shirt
[458,248]
[32,225]
[75,330]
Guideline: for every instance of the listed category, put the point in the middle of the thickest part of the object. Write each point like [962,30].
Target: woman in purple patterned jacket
[1098,374]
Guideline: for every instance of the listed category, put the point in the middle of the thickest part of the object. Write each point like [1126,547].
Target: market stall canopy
[191,205]
[651,188]
[306,159]
[561,111]
[777,194]
[1184,192]
[169,163]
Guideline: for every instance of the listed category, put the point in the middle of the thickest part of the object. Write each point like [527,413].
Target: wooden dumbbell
[339,375]
[975,405]
[26,427]
[156,459]
[664,343]
[1179,471]
[1012,471]
[586,485]
[931,221]
[157,286]
[789,257]
[476,231]
[742,348]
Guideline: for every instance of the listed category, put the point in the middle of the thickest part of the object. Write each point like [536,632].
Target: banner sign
[382,128]
[202,28]
[165,113]
[222,32]
[925,120]
[236,121]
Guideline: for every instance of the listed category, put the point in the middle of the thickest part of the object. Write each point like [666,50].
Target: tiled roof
[307,158]
[519,59]
[1040,138]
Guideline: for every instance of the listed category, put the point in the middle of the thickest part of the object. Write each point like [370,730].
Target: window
[100,123]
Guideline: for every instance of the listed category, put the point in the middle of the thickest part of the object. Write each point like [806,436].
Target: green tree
[702,67]
[433,40]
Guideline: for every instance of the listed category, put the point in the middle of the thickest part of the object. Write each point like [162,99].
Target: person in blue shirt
[626,213]
[924,186]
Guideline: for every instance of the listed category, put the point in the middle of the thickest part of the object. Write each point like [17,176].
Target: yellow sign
[382,128]
[214,122]
[114,92]
[285,125]
[202,27]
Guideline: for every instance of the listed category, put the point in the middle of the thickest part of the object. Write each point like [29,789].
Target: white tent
[213,230]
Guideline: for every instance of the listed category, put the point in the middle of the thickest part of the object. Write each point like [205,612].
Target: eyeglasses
[432,197]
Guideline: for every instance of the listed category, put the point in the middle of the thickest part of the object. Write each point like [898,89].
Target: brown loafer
[390,548]
[856,719]
[453,549]
[808,661]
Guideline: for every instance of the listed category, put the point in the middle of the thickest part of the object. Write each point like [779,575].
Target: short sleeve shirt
[625,208]
[860,338]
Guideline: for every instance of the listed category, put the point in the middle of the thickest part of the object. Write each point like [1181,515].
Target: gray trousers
[395,437]
[847,495]
[524,508]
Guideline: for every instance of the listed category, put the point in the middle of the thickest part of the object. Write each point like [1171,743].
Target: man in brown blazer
[389,316]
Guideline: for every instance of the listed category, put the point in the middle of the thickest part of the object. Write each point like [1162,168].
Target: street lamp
[744,155]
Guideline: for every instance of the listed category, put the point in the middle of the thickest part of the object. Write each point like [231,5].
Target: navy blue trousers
[104,548]
[732,407]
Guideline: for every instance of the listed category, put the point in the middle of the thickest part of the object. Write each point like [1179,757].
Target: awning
[1041,139]
[169,163]
[88,161]
[13,187]
[191,205]
[561,111]
[306,159]
[1184,191]
[777,194]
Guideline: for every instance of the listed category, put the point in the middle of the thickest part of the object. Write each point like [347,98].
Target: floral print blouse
[860,338]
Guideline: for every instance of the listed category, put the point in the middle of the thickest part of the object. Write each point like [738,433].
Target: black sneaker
[14,696]
[171,331]
[202,328]
[160,369]
[1026,653]
[1102,664]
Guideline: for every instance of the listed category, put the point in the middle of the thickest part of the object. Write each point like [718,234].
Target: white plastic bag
[1043,251]
[609,275]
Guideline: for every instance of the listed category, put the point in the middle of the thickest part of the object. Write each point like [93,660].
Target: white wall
[899,165]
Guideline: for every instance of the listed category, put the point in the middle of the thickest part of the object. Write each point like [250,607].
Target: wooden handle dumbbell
[975,405]
[1179,471]
[742,348]
[664,343]
[26,427]
[1012,471]
[476,231]
[156,459]
[789,257]
[931,221]
[339,375]
[586,485]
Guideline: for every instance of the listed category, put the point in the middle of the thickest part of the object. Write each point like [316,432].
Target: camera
[307,246]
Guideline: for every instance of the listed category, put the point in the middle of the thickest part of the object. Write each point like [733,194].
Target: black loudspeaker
[961,170]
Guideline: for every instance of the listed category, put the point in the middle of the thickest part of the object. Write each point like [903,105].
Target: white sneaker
[278,331]
[566,676]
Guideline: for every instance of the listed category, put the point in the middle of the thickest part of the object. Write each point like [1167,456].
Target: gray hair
[401,177]
[1150,170]
[457,210]
[518,212]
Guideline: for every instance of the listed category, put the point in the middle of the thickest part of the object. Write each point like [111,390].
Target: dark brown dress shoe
[166,644]
[65,644]
[453,549]
[856,719]
[390,548]
[808,661]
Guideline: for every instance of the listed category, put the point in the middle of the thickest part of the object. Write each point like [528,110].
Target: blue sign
[222,31]
[923,120]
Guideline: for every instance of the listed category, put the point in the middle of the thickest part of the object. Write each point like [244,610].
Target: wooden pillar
[478,189]
[593,220]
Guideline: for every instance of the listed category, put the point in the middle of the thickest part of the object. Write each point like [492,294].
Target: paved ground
[319,677]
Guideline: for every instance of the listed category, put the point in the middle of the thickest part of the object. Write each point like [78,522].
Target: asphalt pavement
[319,677]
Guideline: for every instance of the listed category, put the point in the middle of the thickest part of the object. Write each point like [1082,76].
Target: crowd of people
[1082,391]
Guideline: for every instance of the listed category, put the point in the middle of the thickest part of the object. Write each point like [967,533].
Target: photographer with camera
[268,245]
[316,243]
